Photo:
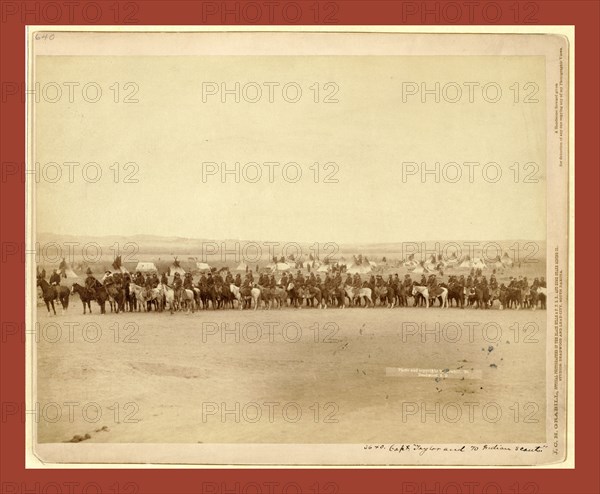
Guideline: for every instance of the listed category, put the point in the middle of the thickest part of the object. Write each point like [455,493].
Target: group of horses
[124,295]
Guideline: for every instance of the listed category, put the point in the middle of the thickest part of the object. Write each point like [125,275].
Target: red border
[584,479]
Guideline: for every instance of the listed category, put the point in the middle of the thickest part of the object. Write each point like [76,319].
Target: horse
[443,296]
[130,299]
[187,299]
[86,296]
[116,296]
[250,296]
[226,295]
[279,296]
[513,298]
[235,291]
[386,296]
[482,293]
[313,293]
[100,295]
[48,293]
[213,294]
[155,296]
[63,293]
[292,290]
[141,296]
[421,290]
[168,295]
[204,294]
[198,297]
[498,294]
[456,292]
[539,296]
[357,294]
[401,295]
[338,297]
[266,295]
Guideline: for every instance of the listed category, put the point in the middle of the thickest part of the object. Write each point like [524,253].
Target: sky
[370,144]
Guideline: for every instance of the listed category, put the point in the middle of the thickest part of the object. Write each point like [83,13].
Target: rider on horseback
[107,279]
[55,278]
[91,282]
[188,282]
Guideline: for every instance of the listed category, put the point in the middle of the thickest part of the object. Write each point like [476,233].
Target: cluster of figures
[217,291]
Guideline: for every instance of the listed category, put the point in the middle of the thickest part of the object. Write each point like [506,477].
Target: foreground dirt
[293,376]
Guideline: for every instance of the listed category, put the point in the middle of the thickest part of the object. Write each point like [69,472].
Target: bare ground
[277,379]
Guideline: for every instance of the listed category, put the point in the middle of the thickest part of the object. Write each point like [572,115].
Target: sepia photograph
[298,247]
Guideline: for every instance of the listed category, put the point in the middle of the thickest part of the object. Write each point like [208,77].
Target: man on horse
[107,277]
[62,268]
[55,278]
[493,282]
[188,282]
[148,285]
[164,279]
[177,283]
[91,282]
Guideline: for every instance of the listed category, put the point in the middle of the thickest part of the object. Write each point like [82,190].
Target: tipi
[176,268]
[478,263]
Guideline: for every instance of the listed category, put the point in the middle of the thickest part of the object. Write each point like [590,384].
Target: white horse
[187,299]
[443,296]
[255,292]
[424,291]
[140,295]
[168,294]
[359,293]
[254,297]
[236,293]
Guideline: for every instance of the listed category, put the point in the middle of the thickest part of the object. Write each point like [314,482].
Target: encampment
[69,273]
[506,260]
[466,263]
[202,266]
[146,267]
[420,270]
[359,269]
[281,266]
[176,269]
[242,266]
[478,263]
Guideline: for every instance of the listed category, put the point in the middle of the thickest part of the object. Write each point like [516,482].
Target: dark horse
[86,296]
[456,292]
[100,295]
[116,293]
[51,293]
